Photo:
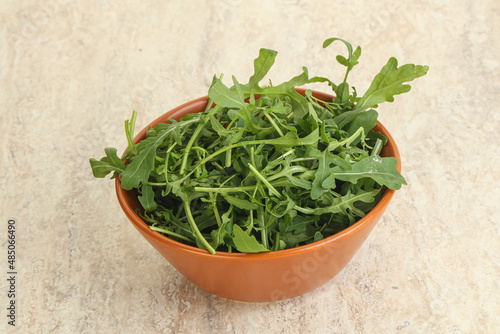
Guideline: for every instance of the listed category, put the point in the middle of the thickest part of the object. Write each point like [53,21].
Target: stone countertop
[72,72]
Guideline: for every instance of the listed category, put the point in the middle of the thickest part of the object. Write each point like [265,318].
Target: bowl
[260,277]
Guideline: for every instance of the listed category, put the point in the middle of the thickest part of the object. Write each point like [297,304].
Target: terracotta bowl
[266,276]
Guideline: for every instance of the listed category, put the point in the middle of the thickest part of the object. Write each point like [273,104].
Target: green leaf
[309,140]
[341,204]
[142,164]
[238,88]
[218,235]
[342,61]
[299,182]
[147,199]
[329,182]
[382,170]
[283,207]
[301,223]
[318,236]
[322,179]
[110,163]
[290,140]
[353,57]
[342,90]
[246,243]
[237,136]
[261,65]
[321,80]
[296,236]
[389,82]
[329,41]
[366,120]
[216,126]
[321,174]
[299,102]
[240,203]
[223,96]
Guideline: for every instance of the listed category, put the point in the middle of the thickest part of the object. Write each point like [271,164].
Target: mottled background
[72,71]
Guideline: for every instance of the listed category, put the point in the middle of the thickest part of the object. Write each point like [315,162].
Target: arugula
[265,168]
[246,243]
[109,163]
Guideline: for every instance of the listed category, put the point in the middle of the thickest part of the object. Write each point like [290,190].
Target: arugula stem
[218,166]
[360,131]
[157,184]
[231,123]
[250,214]
[263,231]
[209,104]
[162,230]
[377,147]
[347,141]
[252,155]
[194,227]
[273,123]
[189,145]
[286,171]
[193,138]
[228,159]
[277,242]
[214,203]
[129,131]
[167,156]
[216,210]
[215,143]
[236,189]
[263,180]
[304,159]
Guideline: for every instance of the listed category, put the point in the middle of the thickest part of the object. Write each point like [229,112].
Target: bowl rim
[143,227]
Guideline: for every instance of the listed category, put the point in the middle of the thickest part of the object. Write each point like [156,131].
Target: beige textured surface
[72,71]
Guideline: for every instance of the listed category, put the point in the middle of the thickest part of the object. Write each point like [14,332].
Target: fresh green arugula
[265,168]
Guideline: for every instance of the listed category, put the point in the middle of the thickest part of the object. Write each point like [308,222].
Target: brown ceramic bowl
[265,276]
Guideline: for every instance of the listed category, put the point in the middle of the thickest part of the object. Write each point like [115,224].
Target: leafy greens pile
[264,168]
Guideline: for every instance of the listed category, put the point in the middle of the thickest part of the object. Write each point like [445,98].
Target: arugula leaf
[261,65]
[342,91]
[322,178]
[223,96]
[246,243]
[110,163]
[353,57]
[147,199]
[141,166]
[389,82]
[219,235]
[367,120]
[342,204]
[240,203]
[321,174]
[283,169]
[299,102]
[382,170]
